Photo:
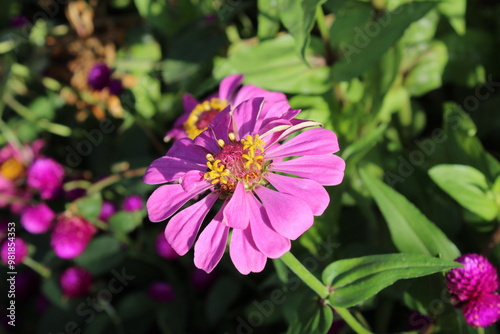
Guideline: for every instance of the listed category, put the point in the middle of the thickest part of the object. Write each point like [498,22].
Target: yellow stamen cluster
[12,169]
[192,124]
[216,172]
[251,144]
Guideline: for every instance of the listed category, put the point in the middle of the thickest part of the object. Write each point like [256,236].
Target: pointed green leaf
[410,230]
[466,185]
[355,280]
[268,19]
[312,317]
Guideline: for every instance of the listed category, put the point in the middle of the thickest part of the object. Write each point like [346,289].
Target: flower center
[241,161]
[201,116]
[12,169]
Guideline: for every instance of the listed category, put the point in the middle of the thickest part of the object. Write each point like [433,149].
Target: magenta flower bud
[75,282]
[71,235]
[133,203]
[201,280]
[99,76]
[477,275]
[115,86]
[162,292]
[37,219]
[164,249]
[107,210]
[46,175]
[15,250]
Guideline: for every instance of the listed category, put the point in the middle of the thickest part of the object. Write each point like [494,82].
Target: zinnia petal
[309,191]
[166,169]
[186,149]
[325,169]
[244,253]
[228,86]
[289,216]
[246,115]
[182,229]
[211,244]
[236,213]
[189,103]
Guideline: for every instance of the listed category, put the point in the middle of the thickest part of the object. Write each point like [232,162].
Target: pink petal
[327,170]
[182,229]
[211,244]
[278,133]
[483,311]
[289,216]
[310,142]
[221,124]
[309,191]
[185,149]
[228,86]
[246,115]
[166,169]
[268,241]
[191,179]
[207,140]
[244,253]
[189,103]
[236,213]
[167,199]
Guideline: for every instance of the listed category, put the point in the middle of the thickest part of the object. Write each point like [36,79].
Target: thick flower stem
[321,290]
[39,268]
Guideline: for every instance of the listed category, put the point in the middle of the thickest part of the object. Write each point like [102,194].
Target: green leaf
[125,222]
[373,39]
[89,207]
[224,292]
[313,107]
[274,65]
[468,186]
[455,12]
[268,19]
[355,280]
[298,18]
[102,254]
[410,230]
[312,317]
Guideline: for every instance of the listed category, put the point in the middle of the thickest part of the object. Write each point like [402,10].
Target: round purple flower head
[133,203]
[46,175]
[107,210]
[37,219]
[71,235]
[75,282]
[115,86]
[474,286]
[99,76]
[162,292]
[16,251]
[164,249]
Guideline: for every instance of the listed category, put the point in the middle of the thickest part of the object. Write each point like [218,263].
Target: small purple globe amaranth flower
[71,235]
[75,282]
[37,219]
[17,250]
[115,86]
[164,249]
[99,76]
[474,286]
[46,175]
[162,292]
[107,210]
[133,203]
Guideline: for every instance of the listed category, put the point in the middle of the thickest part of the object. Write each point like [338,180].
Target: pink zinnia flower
[198,115]
[75,282]
[474,288]
[17,250]
[164,249]
[37,219]
[71,235]
[235,161]
[46,175]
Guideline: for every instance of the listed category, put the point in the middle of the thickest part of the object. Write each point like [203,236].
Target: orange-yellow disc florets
[237,161]
[12,169]
[202,115]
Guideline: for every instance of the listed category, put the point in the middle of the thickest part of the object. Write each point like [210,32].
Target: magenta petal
[309,191]
[207,140]
[189,103]
[186,149]
[325,169]
[310,142]
[289,215]
[246,115]
[244,253]
[236,213]
[182,229]
[166,169]
[248,92]
[167,199]
[211,244]
[220,125]
[483,311]
[191,179]
[268,241]
[228,86]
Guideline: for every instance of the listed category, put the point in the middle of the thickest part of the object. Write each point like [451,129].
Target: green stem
[305,275]
[115,178]
[325,34]
[113,315]
[321,290]
[39,268]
